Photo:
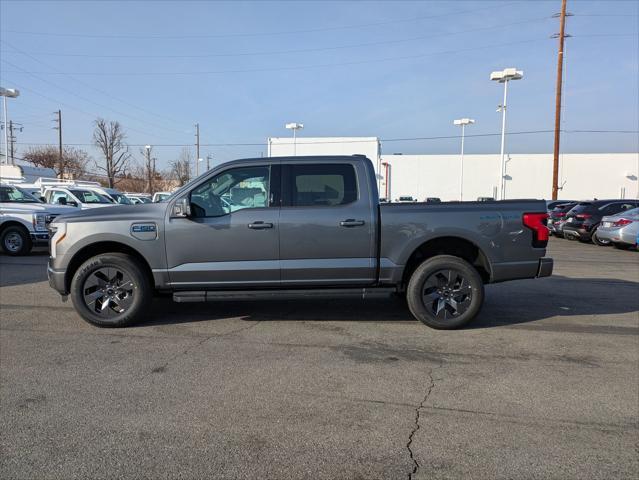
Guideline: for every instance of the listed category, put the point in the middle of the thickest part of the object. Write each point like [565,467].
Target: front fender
[80,235]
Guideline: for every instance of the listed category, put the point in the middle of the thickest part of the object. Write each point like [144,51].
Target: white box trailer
[302,146]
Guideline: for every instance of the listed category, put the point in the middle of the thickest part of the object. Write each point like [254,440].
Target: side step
[214,295]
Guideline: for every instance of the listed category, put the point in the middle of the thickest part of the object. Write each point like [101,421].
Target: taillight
[537,223]
[583,216]
[621,222]
[560,214]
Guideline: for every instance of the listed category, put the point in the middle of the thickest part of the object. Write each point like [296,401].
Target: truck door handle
[260,225]
[351,223]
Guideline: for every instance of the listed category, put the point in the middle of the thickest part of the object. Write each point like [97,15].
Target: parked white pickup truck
[24,220]
[79,197]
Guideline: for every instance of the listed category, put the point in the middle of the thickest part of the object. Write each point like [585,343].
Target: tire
[601,243]
[15,240]
[119,281]
[448,280]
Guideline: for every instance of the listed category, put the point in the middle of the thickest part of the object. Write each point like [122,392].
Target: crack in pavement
[416,425]
[162,368]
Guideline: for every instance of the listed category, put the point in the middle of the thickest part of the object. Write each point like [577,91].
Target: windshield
[87,196]
[121,199]
[16,195]
[564,207]
[582,207]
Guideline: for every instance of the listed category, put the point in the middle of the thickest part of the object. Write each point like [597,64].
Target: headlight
[39,222]
[57,232]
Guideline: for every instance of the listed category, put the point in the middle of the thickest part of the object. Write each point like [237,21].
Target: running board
[212,296]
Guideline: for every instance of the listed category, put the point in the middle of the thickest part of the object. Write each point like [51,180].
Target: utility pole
[560,65]
[149,167]
[13,126]
[12,142]
[197,149]
[58,122]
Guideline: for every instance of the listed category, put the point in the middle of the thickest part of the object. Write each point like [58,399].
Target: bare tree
[110,138]
[149,168]
[181,168]
[74,160]
[134,180]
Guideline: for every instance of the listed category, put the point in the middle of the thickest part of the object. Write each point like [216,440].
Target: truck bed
[492,232]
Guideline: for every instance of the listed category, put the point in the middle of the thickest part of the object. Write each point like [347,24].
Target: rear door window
[320,185]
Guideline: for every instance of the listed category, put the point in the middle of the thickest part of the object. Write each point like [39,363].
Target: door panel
[224,251]
[232,238]
[326,226]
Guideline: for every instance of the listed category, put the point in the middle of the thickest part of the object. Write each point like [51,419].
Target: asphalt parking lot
[544,384]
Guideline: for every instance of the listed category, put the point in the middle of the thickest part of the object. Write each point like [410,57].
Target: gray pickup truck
[294,226]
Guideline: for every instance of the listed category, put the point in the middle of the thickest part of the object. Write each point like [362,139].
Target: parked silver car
[620,229]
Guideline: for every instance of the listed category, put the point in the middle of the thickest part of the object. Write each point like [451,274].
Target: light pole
[147,151]
[462,122]
[4,93]
[295,127]
[504,76]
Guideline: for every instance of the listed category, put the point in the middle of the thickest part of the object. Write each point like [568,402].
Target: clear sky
[387,69]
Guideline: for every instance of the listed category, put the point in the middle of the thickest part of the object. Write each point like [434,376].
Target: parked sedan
[621,230]
[557,218]
[584,218]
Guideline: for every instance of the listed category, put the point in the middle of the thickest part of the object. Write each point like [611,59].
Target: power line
[404,139]
[298,67]
[604,15]
[605,35]
[83,112]
[283,52]
[81,82]
[164,36]
[89,100]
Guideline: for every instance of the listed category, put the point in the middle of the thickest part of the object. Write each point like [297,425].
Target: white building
[581,176]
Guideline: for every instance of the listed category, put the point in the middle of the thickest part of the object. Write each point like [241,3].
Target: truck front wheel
[16,240]
[445,292]
[111,290]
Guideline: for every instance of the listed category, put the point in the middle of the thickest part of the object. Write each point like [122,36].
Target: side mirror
[62,201]
[181,208]
[42,199]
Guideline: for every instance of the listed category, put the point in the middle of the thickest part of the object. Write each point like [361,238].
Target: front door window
[230,191]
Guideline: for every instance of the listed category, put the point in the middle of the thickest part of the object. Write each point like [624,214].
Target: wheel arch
[13,223]
[99,248]
[448,245]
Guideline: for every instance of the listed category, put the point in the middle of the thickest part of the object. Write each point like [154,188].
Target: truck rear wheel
[15,240]
[445,292]
[111,290]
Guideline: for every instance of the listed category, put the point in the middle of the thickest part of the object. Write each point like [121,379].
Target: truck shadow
[506,304]
[30,268]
